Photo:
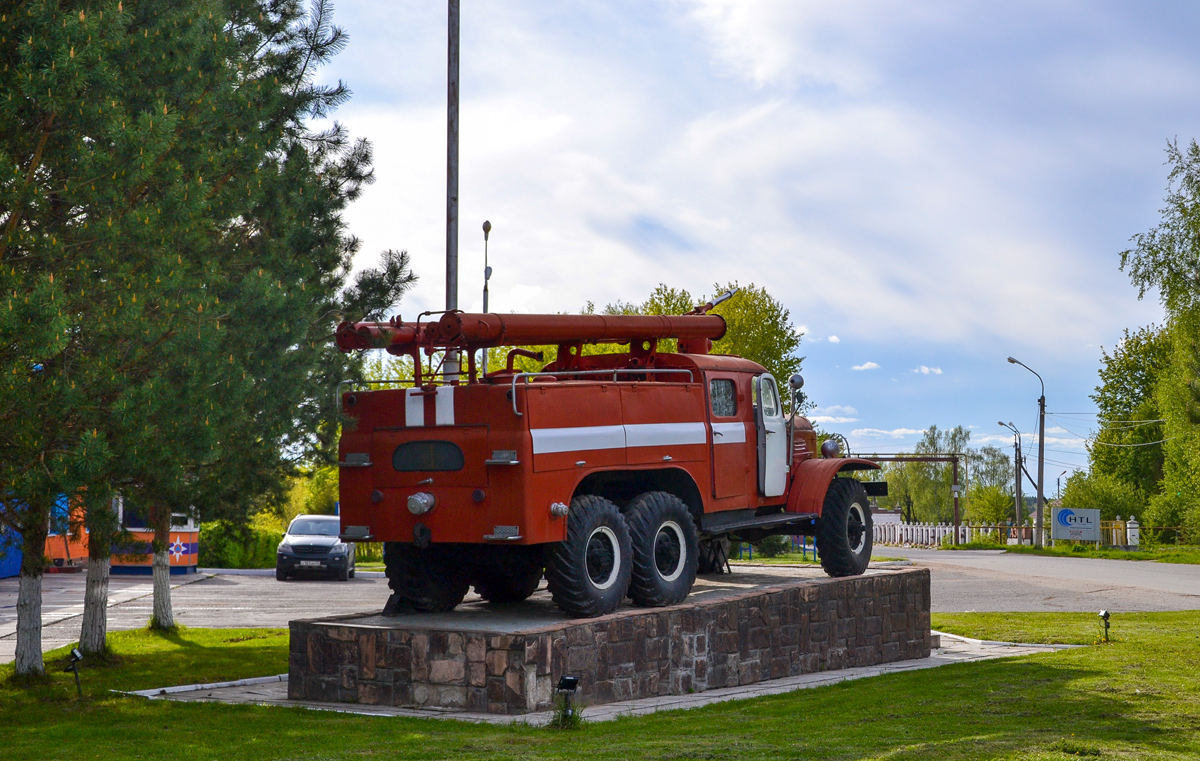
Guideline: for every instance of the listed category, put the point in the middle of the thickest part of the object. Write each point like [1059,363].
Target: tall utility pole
[1041,497]
[451,362]
[1018,504]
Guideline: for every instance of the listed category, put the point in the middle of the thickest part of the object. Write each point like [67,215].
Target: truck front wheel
[588,572]
[665,549]
[844,529]
[429,580]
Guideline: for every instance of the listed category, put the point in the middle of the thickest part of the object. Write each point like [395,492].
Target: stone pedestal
[733,630]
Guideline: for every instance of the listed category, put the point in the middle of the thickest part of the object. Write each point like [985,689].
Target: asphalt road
[992,580]
[962,581]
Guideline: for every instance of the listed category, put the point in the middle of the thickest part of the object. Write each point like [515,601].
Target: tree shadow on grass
[978,710]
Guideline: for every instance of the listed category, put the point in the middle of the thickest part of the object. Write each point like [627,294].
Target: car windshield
[313,527]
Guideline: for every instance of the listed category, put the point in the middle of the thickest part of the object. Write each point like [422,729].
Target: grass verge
[1137,697]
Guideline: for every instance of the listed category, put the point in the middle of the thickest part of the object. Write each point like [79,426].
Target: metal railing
[613,373]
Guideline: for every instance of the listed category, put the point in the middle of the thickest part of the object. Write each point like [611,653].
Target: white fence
[937,534]
[1116,533]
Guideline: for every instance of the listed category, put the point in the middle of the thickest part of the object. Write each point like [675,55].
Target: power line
[1146,444]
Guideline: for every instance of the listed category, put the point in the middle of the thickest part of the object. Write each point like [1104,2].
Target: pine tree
[173,259]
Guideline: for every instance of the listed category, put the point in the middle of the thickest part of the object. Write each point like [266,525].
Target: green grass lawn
[1137,697]
[1168,554]
[1165,554]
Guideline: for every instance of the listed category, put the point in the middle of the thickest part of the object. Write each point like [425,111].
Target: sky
[927,187]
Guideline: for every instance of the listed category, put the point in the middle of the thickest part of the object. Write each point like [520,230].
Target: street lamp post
[1041,498]
[1020,508]
[1059,480]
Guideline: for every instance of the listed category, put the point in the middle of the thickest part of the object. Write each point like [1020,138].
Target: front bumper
[291,563]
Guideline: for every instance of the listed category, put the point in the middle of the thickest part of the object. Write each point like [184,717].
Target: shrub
[773,546]
[227,545]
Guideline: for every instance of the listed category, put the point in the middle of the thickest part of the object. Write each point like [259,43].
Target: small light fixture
[1104,618]
[73,667]
[566,687]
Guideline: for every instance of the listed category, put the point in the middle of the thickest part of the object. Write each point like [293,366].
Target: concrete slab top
[538,613]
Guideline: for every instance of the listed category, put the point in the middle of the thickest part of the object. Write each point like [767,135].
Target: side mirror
[796,382]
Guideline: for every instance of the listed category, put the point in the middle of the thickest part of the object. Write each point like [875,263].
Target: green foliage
[990,506]
[567,714]
[1127,445]
[322,491]
[922,489]
[1165,260]
[232,545]
[172,255]
[773,546]
[1108,494]
[759,328]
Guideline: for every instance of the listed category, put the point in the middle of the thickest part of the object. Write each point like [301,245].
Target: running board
[742,520]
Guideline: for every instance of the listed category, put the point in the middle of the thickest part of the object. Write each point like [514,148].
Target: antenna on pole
[452,362]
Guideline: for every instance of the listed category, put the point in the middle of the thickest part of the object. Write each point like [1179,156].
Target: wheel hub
[856,528]
[602,557]
[670,553]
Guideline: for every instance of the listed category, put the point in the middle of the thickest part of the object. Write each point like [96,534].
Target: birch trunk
[93,636]
[29,599]
[164,616]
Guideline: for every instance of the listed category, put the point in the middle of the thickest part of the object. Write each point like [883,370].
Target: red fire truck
[613,475]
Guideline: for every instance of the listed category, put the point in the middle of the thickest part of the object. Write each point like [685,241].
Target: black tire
[714,556]
[844,529]
[666,549]
[588,572]
[344,574]
[280,574]
[429,580]
[509,574]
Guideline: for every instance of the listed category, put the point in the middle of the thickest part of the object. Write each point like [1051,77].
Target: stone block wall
[814,625]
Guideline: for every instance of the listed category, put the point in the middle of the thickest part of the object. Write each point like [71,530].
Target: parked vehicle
[614,475]
[311,546]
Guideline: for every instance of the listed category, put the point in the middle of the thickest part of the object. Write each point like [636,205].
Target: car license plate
[311,563]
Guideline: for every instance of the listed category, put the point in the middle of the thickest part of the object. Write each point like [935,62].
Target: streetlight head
[1012,360]
[999,422]
[487,228]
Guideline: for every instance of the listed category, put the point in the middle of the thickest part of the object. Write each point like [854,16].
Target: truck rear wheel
[665,549]
[429,580]
[509,574]
[844,529]
[588,572]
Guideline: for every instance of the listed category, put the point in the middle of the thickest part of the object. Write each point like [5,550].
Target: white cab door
[772,439]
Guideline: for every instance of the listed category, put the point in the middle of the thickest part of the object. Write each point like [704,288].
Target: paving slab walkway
[273,690]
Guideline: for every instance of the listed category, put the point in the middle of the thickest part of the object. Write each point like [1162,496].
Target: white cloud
[895,433]
[836,409]
[834,414]
[866,366]
[801,330]
[923,370]
[834,340]
[831,420]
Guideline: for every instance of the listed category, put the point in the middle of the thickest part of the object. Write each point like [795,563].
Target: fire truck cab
[612,475]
